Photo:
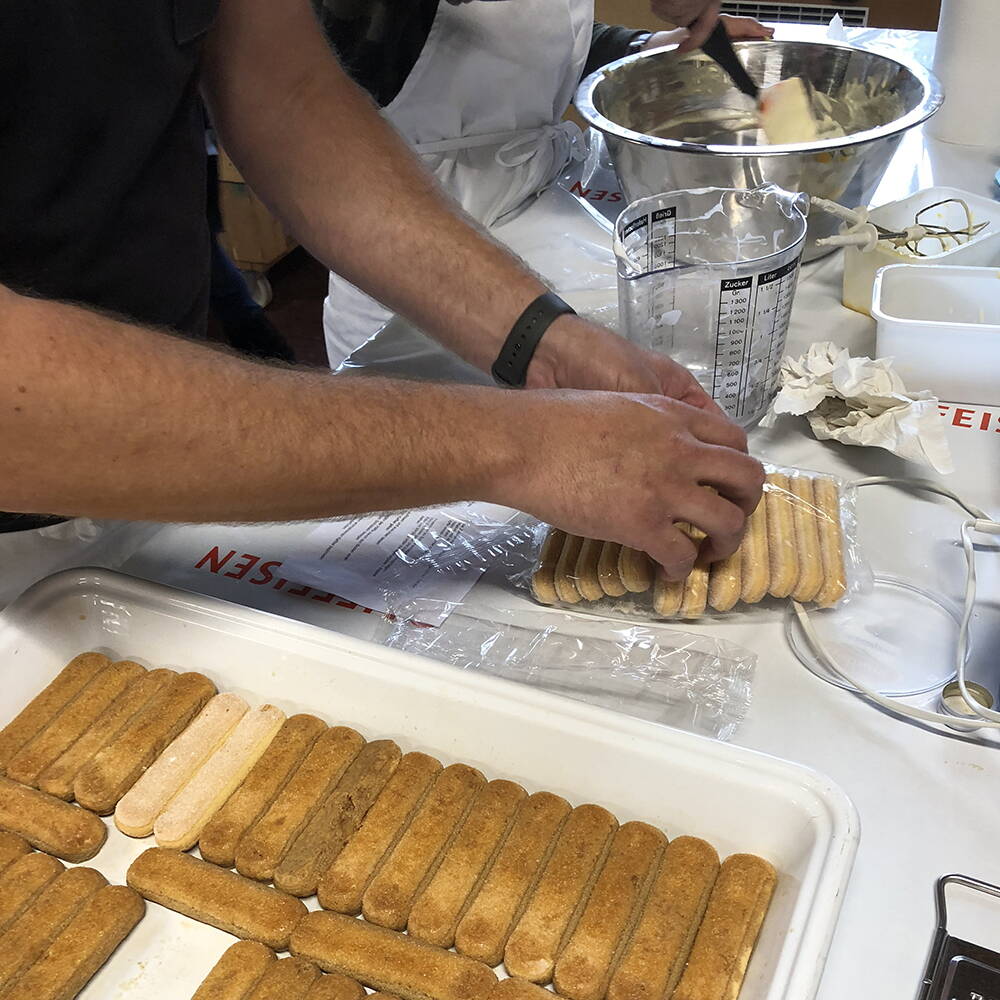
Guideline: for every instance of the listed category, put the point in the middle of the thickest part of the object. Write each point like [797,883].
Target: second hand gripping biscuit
[492,915]
[586,964]
[390,894]
[343,886]
[22,882]
[266,843]
[561,894]
[216,896]
[138,808]
[388,961]
[239,970]
[102,781]
[49,824]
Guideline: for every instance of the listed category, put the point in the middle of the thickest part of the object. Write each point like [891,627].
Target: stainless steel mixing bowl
[673,121]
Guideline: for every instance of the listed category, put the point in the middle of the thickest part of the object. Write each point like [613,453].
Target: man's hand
[627,468]
[698,16]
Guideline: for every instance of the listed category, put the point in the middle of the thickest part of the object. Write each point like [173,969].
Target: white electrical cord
[979,522]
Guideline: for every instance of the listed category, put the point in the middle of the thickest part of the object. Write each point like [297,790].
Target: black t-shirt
[102,157]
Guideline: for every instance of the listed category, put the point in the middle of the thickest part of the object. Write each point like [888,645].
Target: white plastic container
[942,326]
[737,799]
[982,250]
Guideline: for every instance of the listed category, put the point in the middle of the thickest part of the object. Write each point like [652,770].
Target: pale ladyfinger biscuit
[607,570]
[667,594]
[756,568]
[561,894]
[518,989]
[343,886]
[264,845]
[695,596]
[104,779]
[75,718]
[337,819]
[333,986]
[588,580]
[216,896]
[42,709]
[725,582]
[27,938]
[783,562]
[413,861]
[728,932]
[12,847]
[543,584]
[655,956]
[181,823]
[287,979]
[57,779]
[635,569]
[831,541]
[82,946]
[22,882]
[483,931]
[588,960]
[138,808]
[240,969]
[565,575]
[260,788]
[804,517]
[388,961]
[442,903]
[49,824]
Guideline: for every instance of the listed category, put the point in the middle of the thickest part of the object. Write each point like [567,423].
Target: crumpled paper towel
[862,401]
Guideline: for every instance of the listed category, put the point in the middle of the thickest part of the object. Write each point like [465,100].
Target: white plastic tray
[736,799]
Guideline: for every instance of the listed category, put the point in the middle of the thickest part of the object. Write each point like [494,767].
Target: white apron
[483,108]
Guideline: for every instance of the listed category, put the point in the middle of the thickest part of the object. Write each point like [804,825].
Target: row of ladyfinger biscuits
[58,925]
[793,547]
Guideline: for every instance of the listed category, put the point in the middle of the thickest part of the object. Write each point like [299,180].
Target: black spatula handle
[720,48]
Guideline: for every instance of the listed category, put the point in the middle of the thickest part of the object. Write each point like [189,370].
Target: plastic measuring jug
[708,277]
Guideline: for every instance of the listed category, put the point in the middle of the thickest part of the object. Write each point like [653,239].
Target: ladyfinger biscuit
[103,780]
[588,960]
[43,708]
[343,886]
[728,932]
[337,819]
[755,570]
[75,718]
[831,541]
[22,882]
[695,590]
[57,779]
[806,540]
[173,769]
[543,584]
[12,847]
[265,844]
[782,560]
[266,779]
[518,989]
[49,824]
[661,942]
[389,897]
[483,931]
[216,896]
[588,580]
[561,894]
[565,574]
[388,961]
[82,946]
[333,986]
[725,582]
[382,996]
[635,569]
[607,570]
[180,824]
[27,938]
[441,905]
[667,594]
[287,979]
[240,969]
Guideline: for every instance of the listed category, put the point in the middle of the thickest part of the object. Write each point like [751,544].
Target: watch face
[969,979]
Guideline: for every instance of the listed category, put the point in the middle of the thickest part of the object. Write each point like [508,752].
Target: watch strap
[511,366]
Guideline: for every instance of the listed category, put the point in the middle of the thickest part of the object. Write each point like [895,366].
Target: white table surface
[928,803]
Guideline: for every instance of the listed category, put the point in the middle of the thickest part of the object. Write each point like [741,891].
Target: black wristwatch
[511,366]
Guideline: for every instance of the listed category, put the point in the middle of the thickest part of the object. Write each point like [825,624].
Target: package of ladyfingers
[799,545]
